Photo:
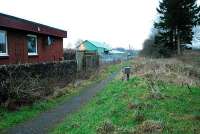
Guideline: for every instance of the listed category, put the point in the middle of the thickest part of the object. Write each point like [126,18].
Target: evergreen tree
[176,20]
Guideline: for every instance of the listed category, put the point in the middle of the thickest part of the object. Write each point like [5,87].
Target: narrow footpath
[48,120]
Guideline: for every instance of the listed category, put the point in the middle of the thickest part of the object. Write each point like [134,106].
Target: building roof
[99,44]
[8,21]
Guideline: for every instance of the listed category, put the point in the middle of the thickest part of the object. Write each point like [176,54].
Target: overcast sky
[116,22]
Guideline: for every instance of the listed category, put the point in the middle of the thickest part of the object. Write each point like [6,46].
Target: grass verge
[130,108]
[11,118]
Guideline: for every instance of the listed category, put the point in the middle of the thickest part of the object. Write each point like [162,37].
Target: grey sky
[116,22]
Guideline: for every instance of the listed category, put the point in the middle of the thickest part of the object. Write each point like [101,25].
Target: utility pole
[178,42]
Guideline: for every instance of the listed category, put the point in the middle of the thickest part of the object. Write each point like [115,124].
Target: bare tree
[78,42]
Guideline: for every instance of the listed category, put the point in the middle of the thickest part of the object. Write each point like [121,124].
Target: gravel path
[48,120]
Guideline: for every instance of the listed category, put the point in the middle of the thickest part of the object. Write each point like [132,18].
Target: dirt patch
[106,128]
[188,117]
[149,127]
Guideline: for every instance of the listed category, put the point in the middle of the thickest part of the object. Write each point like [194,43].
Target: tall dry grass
[184,70]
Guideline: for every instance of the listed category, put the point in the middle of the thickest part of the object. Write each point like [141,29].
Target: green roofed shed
[89,45]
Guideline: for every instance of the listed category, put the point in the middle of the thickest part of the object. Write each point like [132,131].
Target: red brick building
[23,41]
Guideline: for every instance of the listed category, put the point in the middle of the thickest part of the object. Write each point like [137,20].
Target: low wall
[28,82]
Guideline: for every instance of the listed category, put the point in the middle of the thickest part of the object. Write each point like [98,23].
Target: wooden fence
[87,60]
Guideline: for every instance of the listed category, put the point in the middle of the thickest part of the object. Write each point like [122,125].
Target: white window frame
[36,53]
[6,53]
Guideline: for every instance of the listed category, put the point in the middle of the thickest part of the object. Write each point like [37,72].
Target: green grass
[11,118]
[178,112]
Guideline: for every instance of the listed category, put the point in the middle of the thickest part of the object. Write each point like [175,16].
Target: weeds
[169,70]
[127,110]
[134,114]
[138,111]
[139,115]
[26,90]
[106,128]
[153,87]
[149,127]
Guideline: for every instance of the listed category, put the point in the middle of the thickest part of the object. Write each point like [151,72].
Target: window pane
[32,44]
[2,42]
[50,40]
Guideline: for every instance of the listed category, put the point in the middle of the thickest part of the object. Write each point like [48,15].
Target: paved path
[48,120]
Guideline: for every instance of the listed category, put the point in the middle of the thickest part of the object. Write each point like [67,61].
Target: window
[32,44]
[3,43]
[50,40]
